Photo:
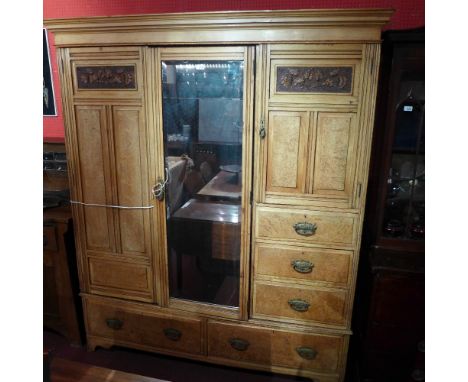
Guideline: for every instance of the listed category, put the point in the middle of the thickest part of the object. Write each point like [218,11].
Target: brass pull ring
[302,266]
[172,334]
[239,344]
[307,353]
[299,305]
[305,228]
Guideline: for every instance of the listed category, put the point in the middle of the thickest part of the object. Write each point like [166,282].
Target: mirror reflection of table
[205,245]
[224,184]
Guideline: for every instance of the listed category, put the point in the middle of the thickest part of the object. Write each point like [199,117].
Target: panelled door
[309,133]
[108,151]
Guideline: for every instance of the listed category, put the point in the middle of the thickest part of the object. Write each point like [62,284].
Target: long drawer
[304,264]
[119,323]
[314,352]
[306,226]
[297,303]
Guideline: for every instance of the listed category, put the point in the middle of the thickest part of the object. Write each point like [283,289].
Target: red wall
[408,14]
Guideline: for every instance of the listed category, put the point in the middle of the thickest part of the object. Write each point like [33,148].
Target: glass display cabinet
[389,318]
[398,171]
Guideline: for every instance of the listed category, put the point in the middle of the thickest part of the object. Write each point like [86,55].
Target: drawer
[306,264]
[267,346]
[306,226]
[50,238]
[279,301]
[120,323]
[120,279]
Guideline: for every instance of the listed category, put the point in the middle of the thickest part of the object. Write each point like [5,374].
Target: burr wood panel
[315,265]
[335,154]
[282,224]
[279,301]
[287,148]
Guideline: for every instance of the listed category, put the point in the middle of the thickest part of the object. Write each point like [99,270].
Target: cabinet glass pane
[202,124]
[404,210]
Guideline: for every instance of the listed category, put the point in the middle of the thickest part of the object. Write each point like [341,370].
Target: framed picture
[48,98]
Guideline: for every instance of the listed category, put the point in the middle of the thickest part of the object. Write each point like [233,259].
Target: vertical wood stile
[71,144]
[159,166]
[365,116]
[247,149]
[259,147]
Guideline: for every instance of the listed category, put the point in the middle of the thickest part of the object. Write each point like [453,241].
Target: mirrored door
[204,119]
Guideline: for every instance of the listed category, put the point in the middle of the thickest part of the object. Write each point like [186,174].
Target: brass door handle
[159,189]
[114,323]
[299,305]
[239,344]
[172,334]
[262,130]
[307,353]
[302,266]
[305,228]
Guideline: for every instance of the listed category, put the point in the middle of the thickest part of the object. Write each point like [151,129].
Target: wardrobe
[218,167]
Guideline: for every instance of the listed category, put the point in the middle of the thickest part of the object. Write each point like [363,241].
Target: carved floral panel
[315,79]
[106,77]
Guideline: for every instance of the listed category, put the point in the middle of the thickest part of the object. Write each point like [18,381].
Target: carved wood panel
[106,77]
[316,79]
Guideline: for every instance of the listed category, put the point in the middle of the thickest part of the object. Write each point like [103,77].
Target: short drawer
[307,226]
[279,301]
[267,346]
[49,238]
[299,263]
[156,330]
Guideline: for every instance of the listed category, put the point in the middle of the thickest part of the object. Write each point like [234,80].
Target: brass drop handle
[307,353]
[114,323]
[305,228]
[299,305]
[302,266]
[172,334]
[239,344]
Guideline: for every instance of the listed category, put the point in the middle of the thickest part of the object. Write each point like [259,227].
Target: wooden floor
[63,370]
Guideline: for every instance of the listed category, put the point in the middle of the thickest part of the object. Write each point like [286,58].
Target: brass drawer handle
[305,229]
[307,353]
[172,334]
[299,305]
[239,344]
[114,323]
[302,266]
